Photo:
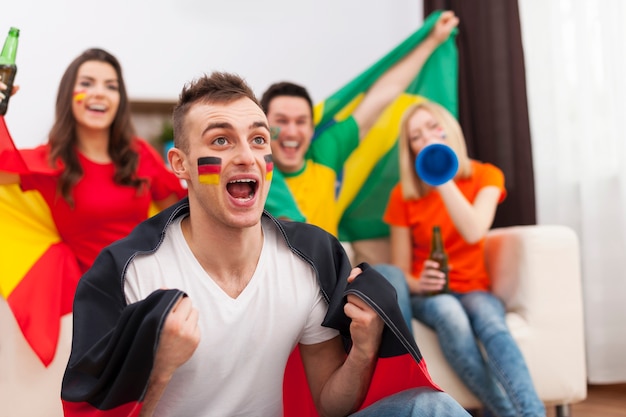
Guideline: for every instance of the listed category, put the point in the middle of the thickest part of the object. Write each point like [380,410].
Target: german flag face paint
[209,169]
[79,96]
[269,167]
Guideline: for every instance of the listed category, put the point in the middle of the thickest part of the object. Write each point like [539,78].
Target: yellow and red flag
[38,272]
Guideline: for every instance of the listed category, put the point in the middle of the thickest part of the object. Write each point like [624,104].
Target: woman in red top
[97,178]
[464,209]
[98,181]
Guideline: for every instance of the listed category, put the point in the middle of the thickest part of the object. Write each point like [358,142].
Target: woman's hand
[431,279]
[3,86]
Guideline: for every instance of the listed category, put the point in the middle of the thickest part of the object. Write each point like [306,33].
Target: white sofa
[27,387]
[536,271]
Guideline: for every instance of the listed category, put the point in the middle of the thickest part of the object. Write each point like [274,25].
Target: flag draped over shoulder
[372,170]
[31,255]
[38,271]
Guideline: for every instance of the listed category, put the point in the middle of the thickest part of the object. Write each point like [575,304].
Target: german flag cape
[372,170]
[38,272]
[114,343]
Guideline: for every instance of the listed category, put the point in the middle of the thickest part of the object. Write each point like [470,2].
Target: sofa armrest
[535,270]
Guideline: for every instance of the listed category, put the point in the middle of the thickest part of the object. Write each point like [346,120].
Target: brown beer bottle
[439,255]
[8,67]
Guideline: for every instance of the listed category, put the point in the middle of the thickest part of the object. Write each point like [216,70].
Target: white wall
[162,44]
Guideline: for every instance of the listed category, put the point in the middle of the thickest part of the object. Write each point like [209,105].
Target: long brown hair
[63,139]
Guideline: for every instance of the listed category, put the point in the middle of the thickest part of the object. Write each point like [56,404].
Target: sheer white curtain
[575,52]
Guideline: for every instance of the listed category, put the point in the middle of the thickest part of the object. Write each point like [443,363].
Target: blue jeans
[416,402]
[395,276]
[500,378]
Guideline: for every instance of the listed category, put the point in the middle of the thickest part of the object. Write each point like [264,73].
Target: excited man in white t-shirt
[197,311]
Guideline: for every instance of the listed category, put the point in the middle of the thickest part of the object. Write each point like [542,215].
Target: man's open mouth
[243,189]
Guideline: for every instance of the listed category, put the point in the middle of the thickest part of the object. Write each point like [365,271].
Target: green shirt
[309,194]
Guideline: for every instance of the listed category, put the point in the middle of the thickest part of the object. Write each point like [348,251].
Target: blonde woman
[464,208]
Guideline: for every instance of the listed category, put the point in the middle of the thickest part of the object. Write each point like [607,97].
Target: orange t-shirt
[467,262]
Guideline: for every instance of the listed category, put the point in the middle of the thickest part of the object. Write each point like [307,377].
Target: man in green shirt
[310,167]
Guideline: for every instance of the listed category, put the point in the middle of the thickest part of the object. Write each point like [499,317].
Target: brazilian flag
[372,170]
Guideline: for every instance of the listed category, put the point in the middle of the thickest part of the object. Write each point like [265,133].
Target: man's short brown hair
[218,87]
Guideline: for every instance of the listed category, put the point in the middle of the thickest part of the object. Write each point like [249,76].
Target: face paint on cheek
[79,96]
[274,132]
[269,167]
[441,132]
[209,168]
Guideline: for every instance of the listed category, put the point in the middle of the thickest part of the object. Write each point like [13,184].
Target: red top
[104,211]
[467,262]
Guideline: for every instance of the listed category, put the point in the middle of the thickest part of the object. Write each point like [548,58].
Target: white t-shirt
[238,367]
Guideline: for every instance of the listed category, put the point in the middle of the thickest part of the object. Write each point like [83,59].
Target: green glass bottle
[8,67]
[439,255]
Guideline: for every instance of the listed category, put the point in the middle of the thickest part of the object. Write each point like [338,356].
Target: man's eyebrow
[217,125]
[258,124]
[226,125]
[299,116]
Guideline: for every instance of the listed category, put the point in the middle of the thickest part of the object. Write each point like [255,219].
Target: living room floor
[601,401]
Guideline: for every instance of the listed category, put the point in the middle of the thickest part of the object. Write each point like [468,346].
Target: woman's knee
[485,311]
[441,310]
[477,302]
